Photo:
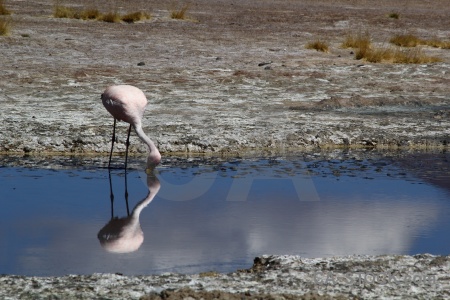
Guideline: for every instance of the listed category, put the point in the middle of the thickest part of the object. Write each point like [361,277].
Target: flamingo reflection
[123,235]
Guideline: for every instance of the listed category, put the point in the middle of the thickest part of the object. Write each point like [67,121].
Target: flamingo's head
[154,158]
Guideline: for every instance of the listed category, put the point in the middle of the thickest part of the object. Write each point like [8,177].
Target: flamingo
[127,103]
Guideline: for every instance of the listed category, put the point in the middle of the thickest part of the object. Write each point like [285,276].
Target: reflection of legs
[112,142]
[126,160]
[126,193]
[111,195]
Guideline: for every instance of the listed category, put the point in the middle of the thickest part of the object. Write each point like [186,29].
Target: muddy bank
[230,82]
[271,277]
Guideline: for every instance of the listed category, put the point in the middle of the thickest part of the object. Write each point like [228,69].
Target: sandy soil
[235,77]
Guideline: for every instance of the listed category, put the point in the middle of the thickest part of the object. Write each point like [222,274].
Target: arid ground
[232,77]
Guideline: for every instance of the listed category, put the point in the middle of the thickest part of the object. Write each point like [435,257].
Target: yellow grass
[413,56]
[318,45]
[366,51]
[374,55]
[406,40]
[438,43]
[111,17]
[5,26]
[60,11]
[363,51]
[398,56]
[410,40]
[179,13]
[3,9]
[135,17]
[358,40]
[88,14]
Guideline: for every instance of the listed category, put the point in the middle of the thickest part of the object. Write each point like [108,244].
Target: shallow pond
[216,215]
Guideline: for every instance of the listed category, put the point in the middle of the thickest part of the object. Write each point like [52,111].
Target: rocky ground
[233,78]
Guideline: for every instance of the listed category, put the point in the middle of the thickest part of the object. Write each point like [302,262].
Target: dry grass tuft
[410,40]
[135,17]
[436,43]
[5,27]
[318,45]
[394,15]
[373,55]
[413,56]
[365,50]
[180,13]
[3,10]
[406,40]
[60,11]
[111,17]
[88,14]
[398,56]
[359,40]
[441,44]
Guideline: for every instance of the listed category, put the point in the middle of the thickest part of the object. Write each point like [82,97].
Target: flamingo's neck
[154,157]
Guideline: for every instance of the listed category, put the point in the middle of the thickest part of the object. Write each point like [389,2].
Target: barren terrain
[234,77]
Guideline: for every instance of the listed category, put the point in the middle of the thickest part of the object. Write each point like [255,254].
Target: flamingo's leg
[112,143]
[127,144]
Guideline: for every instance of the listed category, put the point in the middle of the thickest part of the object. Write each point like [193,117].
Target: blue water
[219,216]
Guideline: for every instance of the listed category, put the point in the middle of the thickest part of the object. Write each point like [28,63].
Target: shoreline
[419,276]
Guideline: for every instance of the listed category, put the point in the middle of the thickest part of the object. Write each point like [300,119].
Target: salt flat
[234,77]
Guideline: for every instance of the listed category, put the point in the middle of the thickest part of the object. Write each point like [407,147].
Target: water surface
[219,215]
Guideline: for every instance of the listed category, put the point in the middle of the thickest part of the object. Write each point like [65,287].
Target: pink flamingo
[127,103]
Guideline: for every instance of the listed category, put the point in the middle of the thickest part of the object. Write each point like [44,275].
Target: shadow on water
[216,214]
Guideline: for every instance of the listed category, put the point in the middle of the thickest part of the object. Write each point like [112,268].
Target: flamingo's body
[127,103]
